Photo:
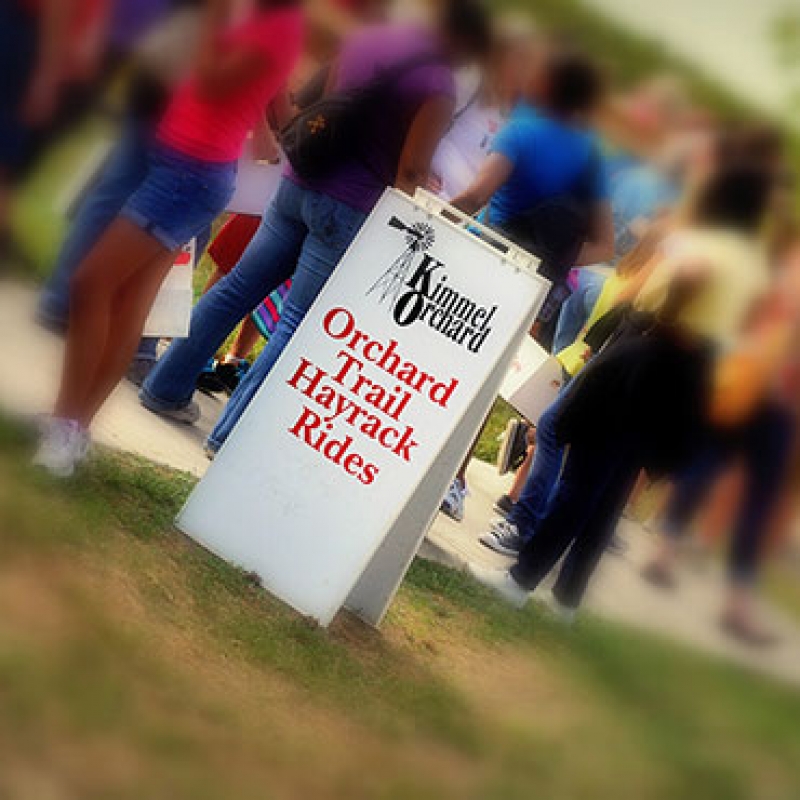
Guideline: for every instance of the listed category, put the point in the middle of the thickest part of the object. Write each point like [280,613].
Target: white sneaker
[503,537]
[500,582]
[454,500]
[503,527]
[63,445]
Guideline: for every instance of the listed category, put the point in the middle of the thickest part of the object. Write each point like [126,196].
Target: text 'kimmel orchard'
[344,403]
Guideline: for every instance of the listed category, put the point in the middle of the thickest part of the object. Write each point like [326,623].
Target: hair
[469,24]
[755,144]
[512,29]
[575,83]
[267,4]
[785,238]
[737,195]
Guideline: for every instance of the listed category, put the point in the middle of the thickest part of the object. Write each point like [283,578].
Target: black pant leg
[766,447]
[590,544]
[579,490]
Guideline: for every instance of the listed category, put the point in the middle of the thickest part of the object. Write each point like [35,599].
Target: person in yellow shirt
[641,404]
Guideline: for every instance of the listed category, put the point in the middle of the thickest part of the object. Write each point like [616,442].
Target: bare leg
[216,276]
[717,515]
[132,304]
[5,206]
[462,470]
[245,341]
[521,477]
[121,253]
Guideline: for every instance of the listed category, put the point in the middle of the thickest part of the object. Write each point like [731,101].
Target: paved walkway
[618,593]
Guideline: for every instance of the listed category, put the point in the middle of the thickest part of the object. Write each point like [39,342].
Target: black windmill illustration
[419,237]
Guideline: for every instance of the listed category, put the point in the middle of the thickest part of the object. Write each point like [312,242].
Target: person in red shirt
[243,62]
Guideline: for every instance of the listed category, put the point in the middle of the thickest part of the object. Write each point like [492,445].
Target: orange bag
[740,382]
[743,378]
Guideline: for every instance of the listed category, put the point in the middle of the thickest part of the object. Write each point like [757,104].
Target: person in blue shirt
[547,152]
[546,171]
[639,193]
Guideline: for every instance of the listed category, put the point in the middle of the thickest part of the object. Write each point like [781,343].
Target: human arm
[219,70]
[426,131]
[266,146]
[494,172]
[599,246]
[87,57]
[42,95]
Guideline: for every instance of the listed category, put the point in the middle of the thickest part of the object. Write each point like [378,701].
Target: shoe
[209,451]
[661,577]
[53,323]
[139,369]
[500,582]
[454,501]
[747,631]
[187,415]
[617,546]
[63,445]
[514,447]
[504,506]
[208,381]
[503,537]
[230,375]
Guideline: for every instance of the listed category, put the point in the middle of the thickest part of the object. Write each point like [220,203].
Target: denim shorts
[180,196]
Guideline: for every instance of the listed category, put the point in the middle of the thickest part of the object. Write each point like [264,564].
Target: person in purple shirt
[310,224]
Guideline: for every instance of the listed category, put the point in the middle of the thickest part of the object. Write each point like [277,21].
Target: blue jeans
[577,309]
[304,234]
[548,459]
[180,196]
[124,172]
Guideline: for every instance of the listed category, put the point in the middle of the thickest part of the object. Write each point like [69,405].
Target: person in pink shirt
[244,60]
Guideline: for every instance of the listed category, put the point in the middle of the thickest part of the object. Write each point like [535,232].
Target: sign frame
[373,564]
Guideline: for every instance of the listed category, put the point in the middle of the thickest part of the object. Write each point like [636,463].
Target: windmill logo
[420,237]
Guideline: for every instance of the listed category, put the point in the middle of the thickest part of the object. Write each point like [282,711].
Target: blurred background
[135,665]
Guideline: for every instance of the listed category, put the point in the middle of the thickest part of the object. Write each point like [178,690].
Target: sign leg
[374,592]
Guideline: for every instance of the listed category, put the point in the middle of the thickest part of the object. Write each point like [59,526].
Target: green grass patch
[125,646]
[489,444]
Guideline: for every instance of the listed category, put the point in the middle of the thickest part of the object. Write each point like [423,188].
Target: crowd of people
[667,236]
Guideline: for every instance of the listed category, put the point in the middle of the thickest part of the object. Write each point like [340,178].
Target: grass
[489,443]
[134,664]
[38,225]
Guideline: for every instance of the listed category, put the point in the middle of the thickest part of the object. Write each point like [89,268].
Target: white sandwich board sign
[533,381]
[340,463]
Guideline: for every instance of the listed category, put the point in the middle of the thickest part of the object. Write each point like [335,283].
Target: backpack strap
[392,74]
